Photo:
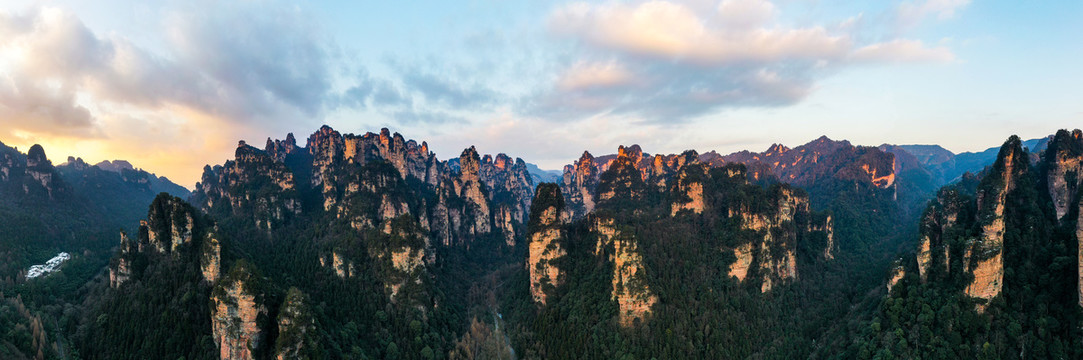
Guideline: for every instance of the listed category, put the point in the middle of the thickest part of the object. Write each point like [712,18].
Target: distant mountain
[948,167]
[45,209]
[541,176]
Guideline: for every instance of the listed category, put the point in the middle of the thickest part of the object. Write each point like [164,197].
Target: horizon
[172,87]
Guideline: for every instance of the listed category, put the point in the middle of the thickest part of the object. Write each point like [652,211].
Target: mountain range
[370,246]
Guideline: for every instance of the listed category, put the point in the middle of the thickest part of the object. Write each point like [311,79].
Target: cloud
[910,14]
[35,107]
[585,75]
[445,91]
[237,63]
[691,59]
[902,50]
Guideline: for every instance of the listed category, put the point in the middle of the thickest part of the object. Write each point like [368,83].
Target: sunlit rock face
[940,218]
[821,158]
[546,235]
[630,289]
[897,273]
[236,307]
[579,186]
[984,256]
[776,242]
[687,183]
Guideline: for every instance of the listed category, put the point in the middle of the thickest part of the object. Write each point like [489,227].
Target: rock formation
[630,289]
[298,337]
[253,184]
[985,253]
[237,307]
[897,273]
[170,228]
[546,235]
[777,257]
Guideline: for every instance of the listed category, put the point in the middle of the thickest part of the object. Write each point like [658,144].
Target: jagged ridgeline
[997,270]
[624,278]
[354,246]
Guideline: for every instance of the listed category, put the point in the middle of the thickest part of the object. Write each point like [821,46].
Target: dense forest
[367,247]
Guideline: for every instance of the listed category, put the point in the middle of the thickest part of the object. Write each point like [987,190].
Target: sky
[173,85]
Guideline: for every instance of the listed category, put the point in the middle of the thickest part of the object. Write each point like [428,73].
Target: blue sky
[541,80]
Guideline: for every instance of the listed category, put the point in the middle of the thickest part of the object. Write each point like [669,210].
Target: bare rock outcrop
[236,311]
[546,235]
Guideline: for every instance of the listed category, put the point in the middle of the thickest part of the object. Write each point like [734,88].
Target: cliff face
[1063,174]
[237,308]
[579,185]
[170,228]
[937,225]
[962,232]
[630,289]
[510,186]
[776,238]
[297,335]
[546,234]
[1064,167]
[985,254]
[254,184]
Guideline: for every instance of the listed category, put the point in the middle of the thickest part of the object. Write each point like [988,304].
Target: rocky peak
[469,164]
[579,185]
[77,163]
[778,149]
[1063,166]
[169,224]
[985,254]
[36,157]
[545,246]
[280,149]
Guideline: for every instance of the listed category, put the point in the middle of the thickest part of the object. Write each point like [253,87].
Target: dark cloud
[31,106]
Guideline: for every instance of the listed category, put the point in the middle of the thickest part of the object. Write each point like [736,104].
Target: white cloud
[688,61]
[590,75]
[902,51]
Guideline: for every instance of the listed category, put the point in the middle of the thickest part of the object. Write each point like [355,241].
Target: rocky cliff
[172,227]
[298,337]
[546,235]
[254,185]
[369,179]
[630,289]
[984,256]
[237,312]
[775,240]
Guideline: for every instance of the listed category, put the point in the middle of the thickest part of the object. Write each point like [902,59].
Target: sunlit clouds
[172,86]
